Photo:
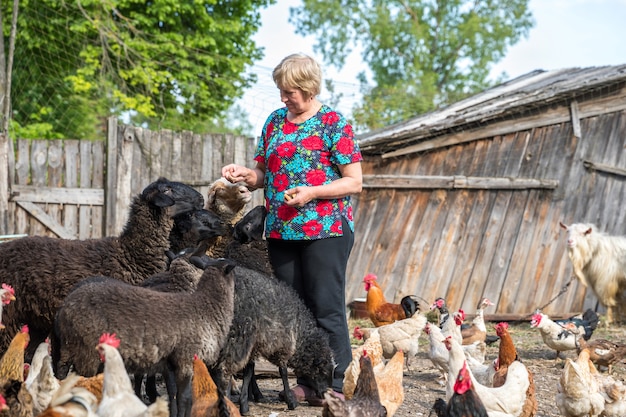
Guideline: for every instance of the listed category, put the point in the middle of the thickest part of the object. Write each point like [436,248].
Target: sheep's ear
[563,225]
[588,231]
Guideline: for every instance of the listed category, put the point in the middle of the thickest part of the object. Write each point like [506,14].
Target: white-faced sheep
[271,321]
[42,270]
[599,261]
[228,201]
[157,329]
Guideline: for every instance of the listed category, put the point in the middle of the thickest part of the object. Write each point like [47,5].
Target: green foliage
[422,54]
[170,62]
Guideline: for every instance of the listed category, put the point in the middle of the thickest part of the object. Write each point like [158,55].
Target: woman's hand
[299,196]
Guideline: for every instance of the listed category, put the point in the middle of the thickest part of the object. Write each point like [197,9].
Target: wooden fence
[82,189]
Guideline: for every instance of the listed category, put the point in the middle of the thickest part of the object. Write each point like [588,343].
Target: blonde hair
[299,71]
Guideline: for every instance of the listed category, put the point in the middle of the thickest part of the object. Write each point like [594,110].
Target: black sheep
[157,329]
[247,247]
[42,270]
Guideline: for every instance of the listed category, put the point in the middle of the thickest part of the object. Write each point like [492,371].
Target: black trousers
[316,269]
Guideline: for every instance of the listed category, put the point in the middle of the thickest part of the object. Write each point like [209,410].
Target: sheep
[188,227]
[43,269]
[157,329]
[272,321]
[228,201]
[247,246]
[599,261]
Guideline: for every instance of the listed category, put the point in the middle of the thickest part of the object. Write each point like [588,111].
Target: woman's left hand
[299,196]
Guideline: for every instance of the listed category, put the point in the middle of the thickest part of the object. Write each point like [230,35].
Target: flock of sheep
[155,287]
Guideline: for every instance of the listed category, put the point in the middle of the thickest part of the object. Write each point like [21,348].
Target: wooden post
[4,184]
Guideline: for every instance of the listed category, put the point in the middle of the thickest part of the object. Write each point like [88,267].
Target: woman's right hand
[235,173]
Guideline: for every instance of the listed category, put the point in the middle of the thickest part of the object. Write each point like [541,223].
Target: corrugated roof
[529,92]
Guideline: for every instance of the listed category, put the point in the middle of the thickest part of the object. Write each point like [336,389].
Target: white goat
[599,261]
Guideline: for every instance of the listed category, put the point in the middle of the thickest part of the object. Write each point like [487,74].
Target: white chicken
[41,382]
[402,335]
[71,401]
[578,390]
[118,394]
[437,351]
[504,401]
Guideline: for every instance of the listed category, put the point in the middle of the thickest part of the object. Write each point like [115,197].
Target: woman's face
[295,100]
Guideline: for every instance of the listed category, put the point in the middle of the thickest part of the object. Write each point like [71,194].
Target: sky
[567,33]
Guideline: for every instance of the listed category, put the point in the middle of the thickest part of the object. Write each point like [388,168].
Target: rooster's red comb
[110,339]
[8,288]
[370,277]
[24,329]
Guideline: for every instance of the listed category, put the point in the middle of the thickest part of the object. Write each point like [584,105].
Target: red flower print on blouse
[286,150]
[313,143]
[324,208]
[356,157]
[286,213]
[274,234]
[349,214]
[330,118]
[316,177]
[281,182]
[269,130]
[312,228]
[347,129]
[289,127]
[336,227]
[345,146]
[273,163]
[325,158]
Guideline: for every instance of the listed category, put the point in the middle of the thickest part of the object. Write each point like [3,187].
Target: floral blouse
[306,154]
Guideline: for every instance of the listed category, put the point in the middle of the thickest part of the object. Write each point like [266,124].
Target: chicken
[366,399]
[71,401]
[206,398]
[389,382]
[477,349]
[7,294]
[374,350]
[558,337]
[12,387]
[440,305]
[507,400]
[507,354]
[41,382]
[93,384]
[118,395]
[614,393]
[578,391]
[603,352]
[581,324]
[464,401]
[380,311]
[437,351]
[402,335]
[476,331]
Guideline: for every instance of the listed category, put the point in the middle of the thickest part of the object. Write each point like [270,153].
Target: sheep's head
[227,200]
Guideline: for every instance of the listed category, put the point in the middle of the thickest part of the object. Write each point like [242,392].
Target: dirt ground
[421,382]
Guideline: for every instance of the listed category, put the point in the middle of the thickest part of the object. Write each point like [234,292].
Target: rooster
[557,336]
[380,311]
[464,402]
[118,393]
[71,401]
[206,399]
[366,399]
[7,294]
[507,354]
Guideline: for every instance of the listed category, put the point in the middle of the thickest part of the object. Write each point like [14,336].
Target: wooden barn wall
[506,245]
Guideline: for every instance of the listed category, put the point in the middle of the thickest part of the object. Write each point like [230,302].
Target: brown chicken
[207,401]
[366,400]
[380,311]
[373,347]
[12,386]
[464,401]
[578,390]
[602,352]
[389,382]
[93,384]
[507,354]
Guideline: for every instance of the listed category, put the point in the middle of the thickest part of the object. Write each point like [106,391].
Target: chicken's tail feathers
[491,339]
[591,317]
[439,408]
[160,408]
[409,305]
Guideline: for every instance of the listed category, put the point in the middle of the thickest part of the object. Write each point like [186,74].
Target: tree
[162,64]
[422,54]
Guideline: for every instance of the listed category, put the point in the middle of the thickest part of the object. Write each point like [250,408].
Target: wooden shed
[465,202]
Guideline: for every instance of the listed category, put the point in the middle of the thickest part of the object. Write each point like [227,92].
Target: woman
[308,165]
